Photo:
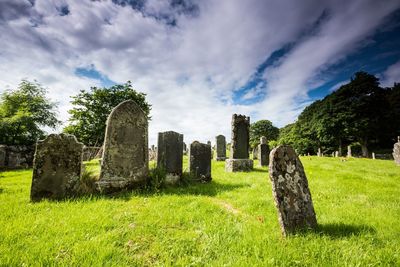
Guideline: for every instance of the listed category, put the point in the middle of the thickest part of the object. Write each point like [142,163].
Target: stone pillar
[220,147]
[319,152]
[200,161]
[170,154]
[349,151]
[373,155]
[290,190]
[239,156]
[57,167]
[336,154]
[263,152]
[396,151]
[125,161]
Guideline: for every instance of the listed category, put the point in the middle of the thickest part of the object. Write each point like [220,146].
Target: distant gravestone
[57,167]
[373,155]
[336,154]
[125,157]
[200,161]
[290,189]
[220,147]
[319,152]
[239,156]
[263,152]
[349,151]
[3,154]
[209,143]
[396,151]
[170,154]
[255,153]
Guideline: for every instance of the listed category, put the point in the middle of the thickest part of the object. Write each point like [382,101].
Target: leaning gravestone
[125,160]
[220,144]
[263,152]
[170,154]
[239,156]
[57,167]
[200,161]
[290,189]
[396,151]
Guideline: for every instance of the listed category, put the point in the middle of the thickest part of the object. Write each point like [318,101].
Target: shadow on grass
[339,230]
[260,170]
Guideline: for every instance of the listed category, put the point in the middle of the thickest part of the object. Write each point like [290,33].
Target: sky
[201,61]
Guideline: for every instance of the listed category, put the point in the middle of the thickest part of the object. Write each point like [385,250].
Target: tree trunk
[364,148]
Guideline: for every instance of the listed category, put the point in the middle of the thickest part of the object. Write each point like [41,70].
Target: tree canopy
[24,112]
[358,112]
[91,109]
[262,128]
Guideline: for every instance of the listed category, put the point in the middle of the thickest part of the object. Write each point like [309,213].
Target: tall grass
[231,221]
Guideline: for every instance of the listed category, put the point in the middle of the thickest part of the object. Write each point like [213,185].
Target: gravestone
[220,147]
[349,151]
[263,152]
[239,156]
[336,154]
[373,155]
[125,161]
[3,155]
[200,161]
[57,167]
[170,154]
[209,143]
[290,190]
[255,153]
[396,151]
[184,149]
[319,152]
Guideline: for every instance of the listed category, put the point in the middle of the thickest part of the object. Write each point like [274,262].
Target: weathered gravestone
[57,167]
[255,153]
[125,160]
[349,151]
[396,151]
[209,143]
[170,154]
[3,154]
[336,154]
[200,161]
[220,144]
[319,153]
[263,152]
[290,189]
[239,156]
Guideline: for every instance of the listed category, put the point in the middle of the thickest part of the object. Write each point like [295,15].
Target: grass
[231,221]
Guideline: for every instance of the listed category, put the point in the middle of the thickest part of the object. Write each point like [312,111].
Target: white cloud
[391,75]
[189,71]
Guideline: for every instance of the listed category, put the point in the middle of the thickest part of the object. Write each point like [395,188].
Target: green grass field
[231,221]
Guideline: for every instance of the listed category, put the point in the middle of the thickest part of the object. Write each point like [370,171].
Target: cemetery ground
[230,221]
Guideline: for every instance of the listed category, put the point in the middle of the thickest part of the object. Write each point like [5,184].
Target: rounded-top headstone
[290,189]
[125,160]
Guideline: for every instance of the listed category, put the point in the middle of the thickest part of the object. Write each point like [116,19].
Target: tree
[91,109]
[24,112]
[262,128]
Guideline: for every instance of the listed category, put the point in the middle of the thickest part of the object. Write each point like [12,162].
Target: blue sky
[200,61]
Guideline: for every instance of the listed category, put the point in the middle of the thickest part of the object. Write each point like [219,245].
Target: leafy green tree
[91,109]
[24,112]
[262,128]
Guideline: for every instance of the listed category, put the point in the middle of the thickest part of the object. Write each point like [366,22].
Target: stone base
[220,158]
[114,185]
[172,179]
[238,165]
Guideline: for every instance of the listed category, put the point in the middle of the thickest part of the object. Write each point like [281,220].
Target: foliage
[91,109]
[262,128]
[231,221]
[24,112]
[359,111]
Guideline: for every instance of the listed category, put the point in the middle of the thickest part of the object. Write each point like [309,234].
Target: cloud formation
[190,57]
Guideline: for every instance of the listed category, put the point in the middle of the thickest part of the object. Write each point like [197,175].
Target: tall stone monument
[263,152]
[220,147]
[319,153]
[125,160]
[200,161]
[57,167]
[239,156]
[396,151]
[170,154]
[349,151]
[290,190]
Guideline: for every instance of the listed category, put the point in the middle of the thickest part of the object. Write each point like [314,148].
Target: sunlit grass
[230,221]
